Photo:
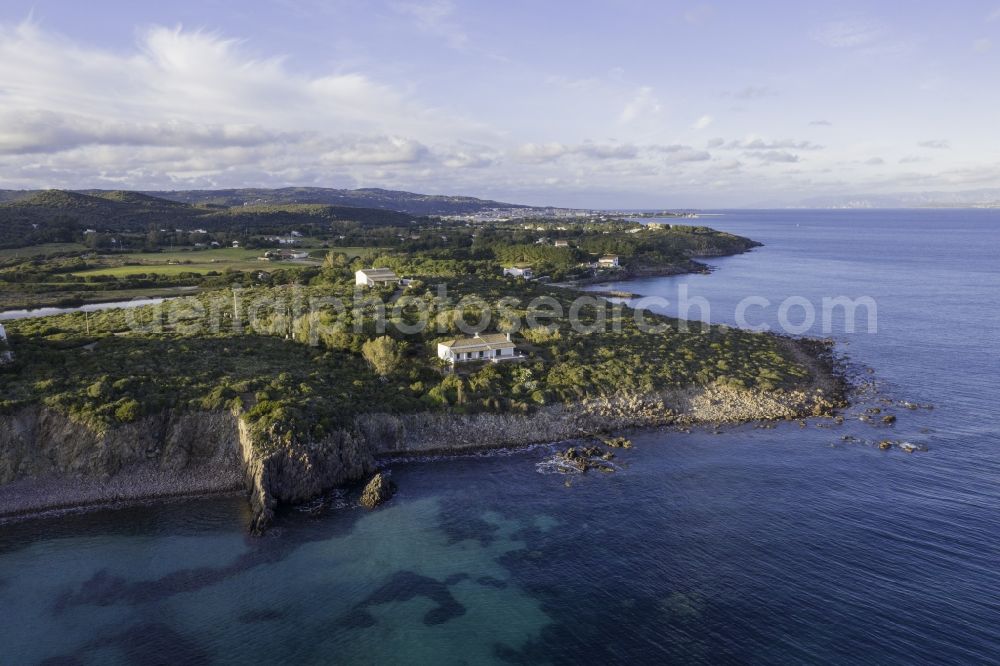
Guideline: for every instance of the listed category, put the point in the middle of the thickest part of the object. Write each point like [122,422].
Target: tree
[335,260]
[152,238]
[383,354]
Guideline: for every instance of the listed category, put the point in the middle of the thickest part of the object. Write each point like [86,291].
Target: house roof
[608,257]
[480,343]
[379,273]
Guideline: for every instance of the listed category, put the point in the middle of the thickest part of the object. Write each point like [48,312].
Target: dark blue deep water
[751,546]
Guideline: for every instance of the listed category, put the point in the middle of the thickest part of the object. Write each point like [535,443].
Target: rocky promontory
[49,461]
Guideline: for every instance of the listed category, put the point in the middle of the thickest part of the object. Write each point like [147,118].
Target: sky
[614,104]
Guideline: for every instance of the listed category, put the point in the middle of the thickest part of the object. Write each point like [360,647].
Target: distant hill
[407,202]
[135,199]
[63,216]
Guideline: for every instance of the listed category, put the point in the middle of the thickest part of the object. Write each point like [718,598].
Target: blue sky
[605,104]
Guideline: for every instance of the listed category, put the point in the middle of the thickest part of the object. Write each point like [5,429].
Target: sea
[798,544]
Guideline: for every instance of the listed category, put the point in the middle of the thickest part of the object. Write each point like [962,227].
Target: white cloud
[374,150]
[436,18]
[23,132]
[689,155]
[848,34]
[702,123]
[775,156]
[608,151]
[875,161]
[994,15]
[936,144]
[983,45]
[189,77]
[540,153]
[470,156]
[186,108]
[643,104]
[758,143]
[194,104]
[820,123]
[728,165]
[753,92]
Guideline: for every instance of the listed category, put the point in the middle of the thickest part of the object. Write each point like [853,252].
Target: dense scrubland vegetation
[290,345]
[304,373]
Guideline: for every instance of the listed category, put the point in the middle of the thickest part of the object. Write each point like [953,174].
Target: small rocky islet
[377,491]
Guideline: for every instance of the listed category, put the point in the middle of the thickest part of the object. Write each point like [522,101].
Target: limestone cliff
[298,471]
[442,433]
[47,460]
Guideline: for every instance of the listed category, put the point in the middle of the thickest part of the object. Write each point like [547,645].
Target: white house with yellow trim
[490,347]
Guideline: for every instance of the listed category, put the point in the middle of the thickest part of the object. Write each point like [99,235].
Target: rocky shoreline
[48,462]
[689,266]
[623,274]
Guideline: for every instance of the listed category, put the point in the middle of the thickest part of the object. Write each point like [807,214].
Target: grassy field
[43,249]
[194,267]
[207,261]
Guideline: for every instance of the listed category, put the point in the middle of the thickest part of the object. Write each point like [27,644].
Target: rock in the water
[909,447]
[888,419]
[583,458]
[617,442]
[378,490]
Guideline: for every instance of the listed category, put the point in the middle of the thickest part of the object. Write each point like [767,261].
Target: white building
[519,271]
[6,355]
[608,261]
[369,277]
[561,243]
[491,347]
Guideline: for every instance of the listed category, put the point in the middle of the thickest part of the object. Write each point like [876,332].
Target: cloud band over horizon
[174,107]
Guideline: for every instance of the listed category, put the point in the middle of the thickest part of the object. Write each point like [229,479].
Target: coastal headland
[286,380]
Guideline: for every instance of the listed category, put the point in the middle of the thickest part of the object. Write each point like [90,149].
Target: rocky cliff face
[440,433]
[47,460]
[299,471]
[38,442]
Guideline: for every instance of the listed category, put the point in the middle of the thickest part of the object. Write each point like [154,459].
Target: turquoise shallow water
[750,546]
